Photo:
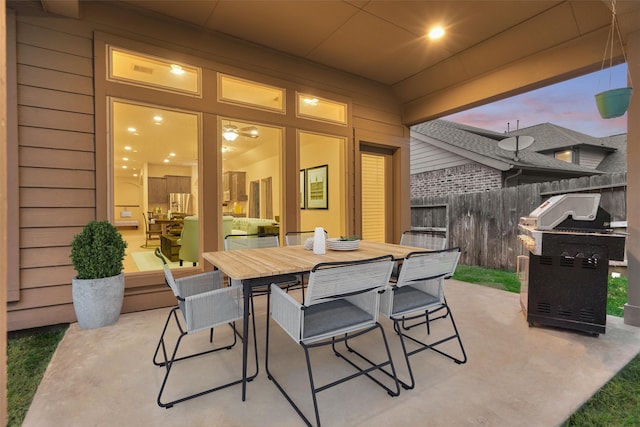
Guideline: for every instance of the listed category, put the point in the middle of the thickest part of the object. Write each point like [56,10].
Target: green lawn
[616,404]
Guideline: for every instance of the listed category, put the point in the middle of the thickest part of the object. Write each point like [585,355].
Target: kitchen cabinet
[234,186]
[178,184]
[158,191]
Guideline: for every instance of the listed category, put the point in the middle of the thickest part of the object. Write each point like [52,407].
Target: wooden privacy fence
[485,225]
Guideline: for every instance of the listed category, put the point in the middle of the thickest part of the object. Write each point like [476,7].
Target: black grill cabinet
[567,281]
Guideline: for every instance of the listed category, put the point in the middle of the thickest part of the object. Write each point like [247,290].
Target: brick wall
[469,178]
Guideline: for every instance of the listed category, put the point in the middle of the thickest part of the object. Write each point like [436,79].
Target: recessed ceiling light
[135,174]
[132,129]
[176,69]
[128,148]
[157,119]
[125,159]
[166,160]
[311,101]
[124,166]
[436,32]
[172,154]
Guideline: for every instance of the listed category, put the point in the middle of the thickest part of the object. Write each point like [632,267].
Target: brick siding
[469,178]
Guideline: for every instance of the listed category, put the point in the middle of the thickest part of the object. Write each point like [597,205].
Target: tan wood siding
[56,159]
[41,177]
[60,217]
[53,138]
[47,98]
[44,237]
[56,163]
[49,276]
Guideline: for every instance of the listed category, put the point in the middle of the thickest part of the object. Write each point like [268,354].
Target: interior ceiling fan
[232,132]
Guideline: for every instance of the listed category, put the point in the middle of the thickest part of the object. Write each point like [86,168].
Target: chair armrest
[434,287]
[367,302]
[199,283]
[206,310]
[287,312]
[386,301]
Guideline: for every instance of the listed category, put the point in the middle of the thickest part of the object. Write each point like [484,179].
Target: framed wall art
[303,187]
[317,187]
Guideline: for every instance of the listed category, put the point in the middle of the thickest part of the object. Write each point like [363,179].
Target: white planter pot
[98,302]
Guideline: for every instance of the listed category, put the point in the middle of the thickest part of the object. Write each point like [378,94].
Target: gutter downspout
[515,175]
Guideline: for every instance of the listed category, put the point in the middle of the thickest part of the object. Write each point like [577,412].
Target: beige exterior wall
[632,308]
[62,139]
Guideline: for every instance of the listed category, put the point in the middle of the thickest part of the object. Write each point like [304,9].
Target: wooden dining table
[263,262]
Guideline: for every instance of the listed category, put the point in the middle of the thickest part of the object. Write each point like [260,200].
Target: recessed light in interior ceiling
[436,32]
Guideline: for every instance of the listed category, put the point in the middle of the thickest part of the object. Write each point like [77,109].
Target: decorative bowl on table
[343,244]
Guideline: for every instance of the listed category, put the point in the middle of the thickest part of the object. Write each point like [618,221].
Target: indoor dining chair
[342,303]
[152,231]
[204,302]
[418,293]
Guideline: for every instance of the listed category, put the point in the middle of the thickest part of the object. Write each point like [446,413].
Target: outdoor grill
[570,244]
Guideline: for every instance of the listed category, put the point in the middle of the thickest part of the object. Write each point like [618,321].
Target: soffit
[385,40]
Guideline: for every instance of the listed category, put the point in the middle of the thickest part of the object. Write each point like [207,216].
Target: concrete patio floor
[516,375]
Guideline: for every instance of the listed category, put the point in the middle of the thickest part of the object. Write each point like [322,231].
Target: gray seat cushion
[329,316]
[407,298]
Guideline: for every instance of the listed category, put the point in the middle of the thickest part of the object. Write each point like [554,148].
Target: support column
[632,307]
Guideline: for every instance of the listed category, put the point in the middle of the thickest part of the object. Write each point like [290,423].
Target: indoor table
[263,262]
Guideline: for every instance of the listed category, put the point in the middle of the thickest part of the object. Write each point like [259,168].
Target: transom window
[143,70]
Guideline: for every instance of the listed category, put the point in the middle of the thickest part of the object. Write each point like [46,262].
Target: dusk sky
[570,104]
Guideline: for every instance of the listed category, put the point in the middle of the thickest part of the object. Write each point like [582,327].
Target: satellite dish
[516,143]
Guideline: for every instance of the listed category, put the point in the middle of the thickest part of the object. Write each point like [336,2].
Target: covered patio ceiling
[491,49]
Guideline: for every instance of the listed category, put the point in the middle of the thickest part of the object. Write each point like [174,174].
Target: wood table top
[253,263]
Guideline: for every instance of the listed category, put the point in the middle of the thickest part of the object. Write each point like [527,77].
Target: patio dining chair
[341,303]
[426,239]
[260,286]
[299,238]
[418,293]
[432,240]
[203,303]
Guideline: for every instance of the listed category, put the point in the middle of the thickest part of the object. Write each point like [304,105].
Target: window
[250,94]
[312,107]
[565,156]
[154,179]
[158,73]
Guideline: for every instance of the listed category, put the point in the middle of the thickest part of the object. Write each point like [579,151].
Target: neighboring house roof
[481,146]
[616,161]
[550,138]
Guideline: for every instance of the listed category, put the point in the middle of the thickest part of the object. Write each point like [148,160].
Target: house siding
[591,158]
[56,165]
[469,178]
[426,157]
[61,170]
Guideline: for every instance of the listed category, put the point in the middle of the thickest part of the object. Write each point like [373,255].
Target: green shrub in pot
[98,290]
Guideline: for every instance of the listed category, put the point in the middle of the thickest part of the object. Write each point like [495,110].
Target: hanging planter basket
[614,102]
